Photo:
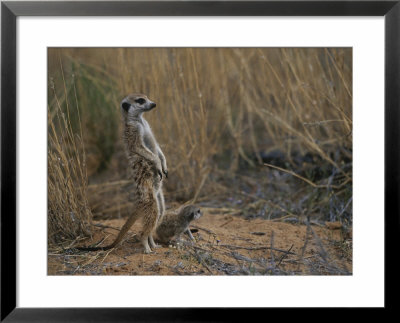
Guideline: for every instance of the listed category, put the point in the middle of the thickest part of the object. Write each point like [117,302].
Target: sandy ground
[225,245]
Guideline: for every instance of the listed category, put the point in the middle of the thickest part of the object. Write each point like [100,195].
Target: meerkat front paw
[158,169]
[165,169]
[189,233]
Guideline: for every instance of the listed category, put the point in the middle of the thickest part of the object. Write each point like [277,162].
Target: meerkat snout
[195,214]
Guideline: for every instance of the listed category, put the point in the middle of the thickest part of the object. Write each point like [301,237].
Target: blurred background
[253,132]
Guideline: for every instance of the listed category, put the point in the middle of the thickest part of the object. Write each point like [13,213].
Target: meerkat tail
[120,236]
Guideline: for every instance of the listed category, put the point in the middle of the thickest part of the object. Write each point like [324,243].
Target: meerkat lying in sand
[177,222]
[147,165]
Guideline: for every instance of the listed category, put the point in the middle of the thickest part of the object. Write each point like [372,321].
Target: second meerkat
[147,164]
[176,222]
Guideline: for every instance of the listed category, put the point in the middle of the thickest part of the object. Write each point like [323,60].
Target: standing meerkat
[147,164]
[177,222]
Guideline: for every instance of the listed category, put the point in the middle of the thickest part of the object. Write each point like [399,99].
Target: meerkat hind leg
[145,243]
[149,223]
[161,208]
[152,243]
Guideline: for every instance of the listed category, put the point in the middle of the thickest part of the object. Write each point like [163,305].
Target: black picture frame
[11,10]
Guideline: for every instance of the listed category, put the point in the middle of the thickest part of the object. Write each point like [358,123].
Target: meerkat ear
[126,106]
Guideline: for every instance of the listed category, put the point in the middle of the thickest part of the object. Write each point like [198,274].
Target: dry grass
[220,111]
[228,105]
[68,210]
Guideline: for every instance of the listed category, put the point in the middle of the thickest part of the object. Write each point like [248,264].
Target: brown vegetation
[263,132]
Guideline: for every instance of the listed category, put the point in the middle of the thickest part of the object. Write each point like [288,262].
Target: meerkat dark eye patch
[126,106]
[140,101]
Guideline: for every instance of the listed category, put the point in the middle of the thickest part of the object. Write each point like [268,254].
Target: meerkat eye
[126,106]
[140,101]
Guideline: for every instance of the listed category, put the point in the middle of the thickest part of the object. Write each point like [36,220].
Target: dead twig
[202,262]
[238,256]
[322,252]
[284,256]
[345,207]
[203,229]
[305,179]
[255,248]
[227,222]
[105,226]
[203,180]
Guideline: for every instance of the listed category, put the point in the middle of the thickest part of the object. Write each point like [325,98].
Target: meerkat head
[192,212]
[135,104]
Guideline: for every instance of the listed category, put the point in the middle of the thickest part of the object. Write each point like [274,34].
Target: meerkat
[147,164]
[177,222]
